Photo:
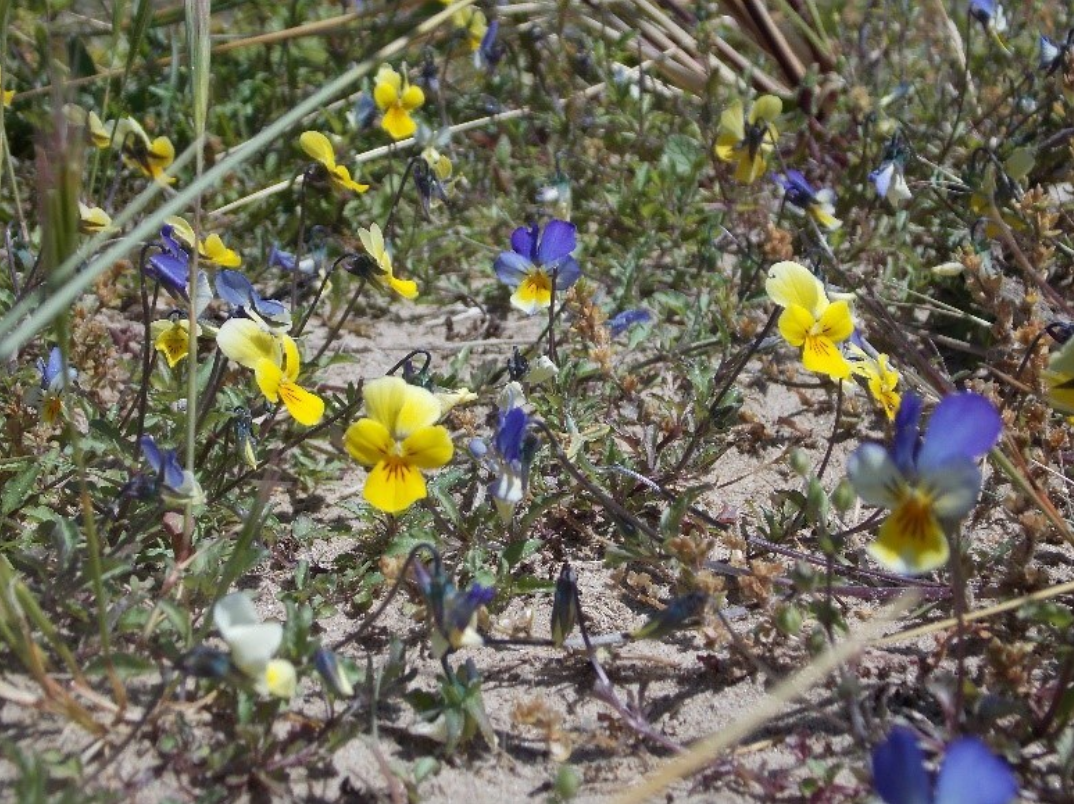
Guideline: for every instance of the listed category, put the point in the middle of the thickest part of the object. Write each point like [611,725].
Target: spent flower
[929,483]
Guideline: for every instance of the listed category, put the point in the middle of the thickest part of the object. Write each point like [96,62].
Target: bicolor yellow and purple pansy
[533,261]
[818,204]
[929,483]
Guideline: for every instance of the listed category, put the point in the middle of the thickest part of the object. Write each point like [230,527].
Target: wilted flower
[273,356]
[533,261]
[176,484]
[564,605]
[253,645]
[317,146]
[809,320]
[509,460]
[890,182]
[244,436]
[398,438]
[397,98]
[682,612]
[1052,54]
[747,141]
[331,669]
[969,773]
[929,484]
[47,398]
[818,204]
[621,322]
[491,50]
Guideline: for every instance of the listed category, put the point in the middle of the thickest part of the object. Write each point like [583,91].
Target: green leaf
[18,488]
[517,552]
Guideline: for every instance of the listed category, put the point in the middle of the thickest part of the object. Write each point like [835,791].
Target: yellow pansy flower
[397,98]
[747,141]
[474,23]
[398,438]
[317,146]
[151,157]
[1059,377]
[274,359]
[253,644]
[879,376]
[211,249]
[92,219]
[7,94]
[373,242]
[809,320]
[172,338]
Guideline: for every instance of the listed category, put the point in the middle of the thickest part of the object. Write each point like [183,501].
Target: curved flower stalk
[177,485]
[969,773]
[397,98]
[398,439]
[929,483]
[211,249]
[274,359]
[809,320]
[317,147]
[253,644]
[47,397]
[373,242]
[817,204]
[747,141]
[532,261]
[876,370]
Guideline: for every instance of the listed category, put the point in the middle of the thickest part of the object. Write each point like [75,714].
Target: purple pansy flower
[928,483]
[969,774]
[534,259]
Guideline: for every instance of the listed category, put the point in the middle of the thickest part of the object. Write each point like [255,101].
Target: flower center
[914,514]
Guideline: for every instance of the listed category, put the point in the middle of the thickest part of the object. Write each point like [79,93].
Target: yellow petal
[398,123]
[305,407]
[181,230]
[292,362]
[407,288]
[824,218]
[412,98]
[795,324]
[766,107]
[368,441]
[387,87]
[317,147]
[393,486]
[402,408]
[835,322]
[821,355]
[92,219]
[161,153]
[791,284]
[750,168]
[243,341]
[428,448]
[280,678]
[341,177]
[99,135]
[733,123]
[911,541]
[373,242]
[214,250]
[269,378]
[727,147]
